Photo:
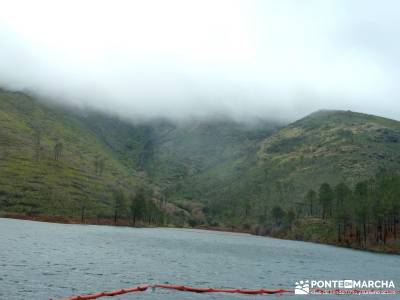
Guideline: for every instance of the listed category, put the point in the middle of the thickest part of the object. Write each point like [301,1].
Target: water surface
[41,260]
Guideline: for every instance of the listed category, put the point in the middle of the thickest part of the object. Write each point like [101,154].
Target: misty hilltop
[181,60]
[216,166]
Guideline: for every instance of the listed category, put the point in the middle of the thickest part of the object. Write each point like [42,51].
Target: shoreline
[124,223]
[109,222]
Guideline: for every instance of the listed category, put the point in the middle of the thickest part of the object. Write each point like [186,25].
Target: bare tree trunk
[83,208]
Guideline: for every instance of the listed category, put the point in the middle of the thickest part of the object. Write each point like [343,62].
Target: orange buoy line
[212,290]
[142,288]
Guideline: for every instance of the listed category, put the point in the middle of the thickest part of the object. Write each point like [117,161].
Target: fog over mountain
[181,59]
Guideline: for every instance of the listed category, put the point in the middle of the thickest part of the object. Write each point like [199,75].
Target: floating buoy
[140,288]
[213,290]
[183,288]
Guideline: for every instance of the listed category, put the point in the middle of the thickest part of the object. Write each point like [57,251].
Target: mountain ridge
[208,173]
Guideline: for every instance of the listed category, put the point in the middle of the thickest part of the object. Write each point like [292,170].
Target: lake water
[42,260]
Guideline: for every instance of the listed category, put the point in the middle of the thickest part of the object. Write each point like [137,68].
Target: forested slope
[52,163]
[216,172]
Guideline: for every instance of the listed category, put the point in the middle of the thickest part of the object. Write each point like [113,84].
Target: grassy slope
[333,146]
[125,140]
[187,152]
[327,146]
[157,154]
[170,154]
[48,186]
[236,172]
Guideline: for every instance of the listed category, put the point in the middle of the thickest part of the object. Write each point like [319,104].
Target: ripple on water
[51,260]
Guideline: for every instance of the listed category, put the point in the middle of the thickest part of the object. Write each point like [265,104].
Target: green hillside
[327,146]
[156,156]
[335,146]
[33,181]
[56,161]
[173,156]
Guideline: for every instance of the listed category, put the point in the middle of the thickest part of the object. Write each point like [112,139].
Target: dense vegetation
[366,216]
[327,146]
[89,167]
[52,164]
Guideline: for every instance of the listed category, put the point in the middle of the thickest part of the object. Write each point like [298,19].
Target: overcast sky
[183,59]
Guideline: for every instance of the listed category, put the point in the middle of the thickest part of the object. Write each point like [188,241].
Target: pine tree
[325,200]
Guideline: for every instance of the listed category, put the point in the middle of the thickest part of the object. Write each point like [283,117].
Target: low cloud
[183,59]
